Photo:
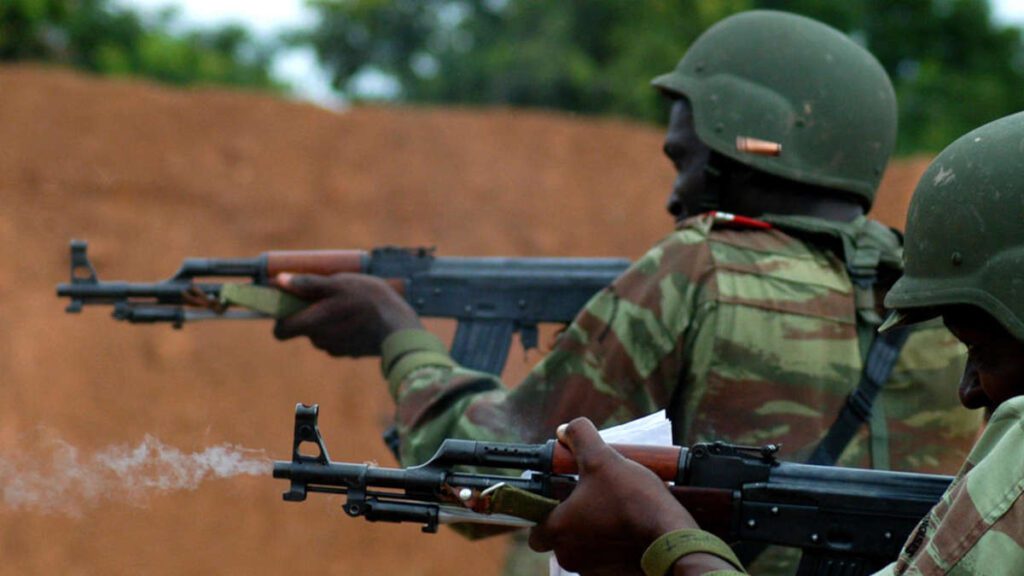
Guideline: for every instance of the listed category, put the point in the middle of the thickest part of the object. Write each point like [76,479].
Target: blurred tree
[592,56]
[100,37]
[953,67]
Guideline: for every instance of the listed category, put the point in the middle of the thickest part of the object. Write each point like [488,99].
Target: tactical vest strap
[867,246]
[881,358]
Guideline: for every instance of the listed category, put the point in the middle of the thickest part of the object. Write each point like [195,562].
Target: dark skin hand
[352,314]
[349,315]
[636,507]
[615,512]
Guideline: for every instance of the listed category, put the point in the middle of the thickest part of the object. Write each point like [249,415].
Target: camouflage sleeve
[978,525]
[620,359]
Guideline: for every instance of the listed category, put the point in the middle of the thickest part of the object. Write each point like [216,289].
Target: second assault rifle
[492,298]
[847,521]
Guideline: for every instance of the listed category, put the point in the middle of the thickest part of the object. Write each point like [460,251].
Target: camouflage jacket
[744,335]
[978,525]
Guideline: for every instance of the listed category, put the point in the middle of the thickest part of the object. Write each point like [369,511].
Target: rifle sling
[864,251]
[881,359]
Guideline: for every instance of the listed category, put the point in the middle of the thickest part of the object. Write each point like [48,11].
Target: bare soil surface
[150,175]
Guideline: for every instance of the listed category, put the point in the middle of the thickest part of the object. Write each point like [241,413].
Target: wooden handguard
[711,507]
[662,460]
[320,262]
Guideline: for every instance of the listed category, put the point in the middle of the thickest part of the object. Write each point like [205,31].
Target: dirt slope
[150,175]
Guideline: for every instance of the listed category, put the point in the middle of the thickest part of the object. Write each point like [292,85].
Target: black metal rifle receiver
[491,298]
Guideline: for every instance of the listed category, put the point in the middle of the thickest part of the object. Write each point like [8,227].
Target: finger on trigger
[281,330]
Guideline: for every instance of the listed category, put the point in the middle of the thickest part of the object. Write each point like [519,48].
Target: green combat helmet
[965,230]
[789,81]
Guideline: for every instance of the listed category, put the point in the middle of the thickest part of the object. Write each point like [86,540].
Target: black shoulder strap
[881,358]
[882,352]
[879,351]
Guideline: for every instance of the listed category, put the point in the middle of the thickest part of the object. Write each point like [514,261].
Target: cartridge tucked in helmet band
[823,102]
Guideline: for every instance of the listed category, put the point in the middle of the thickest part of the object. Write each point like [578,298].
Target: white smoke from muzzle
[56,477]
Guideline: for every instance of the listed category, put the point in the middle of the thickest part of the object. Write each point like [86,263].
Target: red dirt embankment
[151,175]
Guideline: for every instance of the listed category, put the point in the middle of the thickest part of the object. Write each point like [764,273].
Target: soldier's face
[689,156]
[995,359]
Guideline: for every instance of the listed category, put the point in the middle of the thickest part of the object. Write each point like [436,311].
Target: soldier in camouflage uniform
[746,330]
[965,264]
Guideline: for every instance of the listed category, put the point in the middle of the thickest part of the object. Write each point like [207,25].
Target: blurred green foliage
[952,66]
[105,38]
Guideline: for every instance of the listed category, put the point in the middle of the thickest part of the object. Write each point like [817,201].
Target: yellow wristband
[414,361]
[403,342]
[669,548]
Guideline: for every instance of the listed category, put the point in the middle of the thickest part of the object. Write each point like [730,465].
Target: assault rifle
[491,298]
[847,521]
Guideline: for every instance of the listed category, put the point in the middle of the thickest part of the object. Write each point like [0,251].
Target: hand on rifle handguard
[348,315]
[615,512]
